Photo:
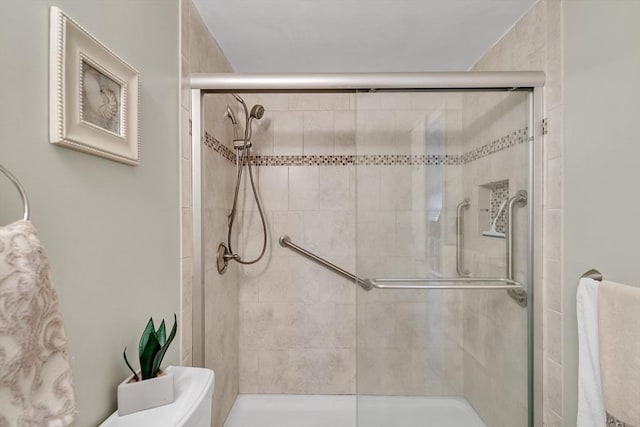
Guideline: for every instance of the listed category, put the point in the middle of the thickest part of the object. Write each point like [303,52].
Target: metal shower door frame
[533,81]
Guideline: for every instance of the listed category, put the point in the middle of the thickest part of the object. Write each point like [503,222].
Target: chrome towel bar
[460,283]
[445,283]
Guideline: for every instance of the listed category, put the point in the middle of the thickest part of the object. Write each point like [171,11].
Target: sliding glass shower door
[441,179]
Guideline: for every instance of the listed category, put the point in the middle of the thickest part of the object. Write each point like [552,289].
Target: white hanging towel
[36,386]
[619,335]
[591,411]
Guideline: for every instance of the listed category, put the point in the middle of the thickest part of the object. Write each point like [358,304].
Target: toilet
[191,408]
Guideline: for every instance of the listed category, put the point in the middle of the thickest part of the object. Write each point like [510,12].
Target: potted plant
[150,387]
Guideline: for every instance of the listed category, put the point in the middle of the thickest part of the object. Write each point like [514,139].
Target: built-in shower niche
[492,209]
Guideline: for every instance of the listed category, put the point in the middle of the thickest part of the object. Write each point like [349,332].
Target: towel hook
[23,194]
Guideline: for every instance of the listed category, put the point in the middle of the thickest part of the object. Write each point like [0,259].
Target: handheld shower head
[231,115]
[257,111]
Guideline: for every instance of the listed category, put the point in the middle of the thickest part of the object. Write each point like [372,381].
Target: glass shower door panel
[437,353]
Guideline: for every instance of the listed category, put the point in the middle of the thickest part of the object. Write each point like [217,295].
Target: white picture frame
[93,94]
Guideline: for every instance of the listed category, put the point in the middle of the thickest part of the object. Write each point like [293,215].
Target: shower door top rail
[483,283]
[239,82]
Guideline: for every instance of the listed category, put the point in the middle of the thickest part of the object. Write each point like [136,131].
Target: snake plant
[151,349]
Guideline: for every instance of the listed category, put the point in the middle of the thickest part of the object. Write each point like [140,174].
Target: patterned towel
[36,386]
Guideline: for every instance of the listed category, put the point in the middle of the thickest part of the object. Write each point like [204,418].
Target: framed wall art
[93,94]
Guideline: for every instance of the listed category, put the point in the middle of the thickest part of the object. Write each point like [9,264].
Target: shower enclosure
[399,280]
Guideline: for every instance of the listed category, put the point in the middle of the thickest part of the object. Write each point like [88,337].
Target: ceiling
[358,35]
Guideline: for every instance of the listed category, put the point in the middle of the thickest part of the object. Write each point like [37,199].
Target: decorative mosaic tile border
[346,160]
[219,147]
[518,137]
[507,141]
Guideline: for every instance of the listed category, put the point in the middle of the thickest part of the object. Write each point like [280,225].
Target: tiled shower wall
[534,43]
[297,323]
[200,53]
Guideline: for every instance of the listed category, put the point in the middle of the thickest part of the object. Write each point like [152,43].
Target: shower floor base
[280,410]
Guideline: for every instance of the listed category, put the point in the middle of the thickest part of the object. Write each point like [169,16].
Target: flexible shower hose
[240,162]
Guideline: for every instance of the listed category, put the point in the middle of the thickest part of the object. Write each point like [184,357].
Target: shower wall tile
[553,224]
[321,371]
[287,132]
[335,101]
[318,132]
[553,382]
[369,188]
[396,194]
[383,101]
[322,101]
[552,290]
[304,187]
[273,370]
[315,284]
[330,233]
[378,126]
[553,331]
[256,322]
[248,380]
[345,132]
[334,188]
[273,186]
[553,173]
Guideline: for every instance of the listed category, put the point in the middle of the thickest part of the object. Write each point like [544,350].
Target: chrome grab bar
[519,295]
[409,283]
[444,283]
[285,242]
[462,272]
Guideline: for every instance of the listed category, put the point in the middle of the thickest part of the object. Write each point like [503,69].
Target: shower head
[257,111]
[238,98]
[231,115]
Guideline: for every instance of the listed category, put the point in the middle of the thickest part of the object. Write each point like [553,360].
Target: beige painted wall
[111,231]
[601,93]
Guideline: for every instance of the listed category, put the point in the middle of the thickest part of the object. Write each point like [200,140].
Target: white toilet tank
[191,408]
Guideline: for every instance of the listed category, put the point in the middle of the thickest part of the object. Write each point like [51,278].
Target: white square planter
[141,395]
